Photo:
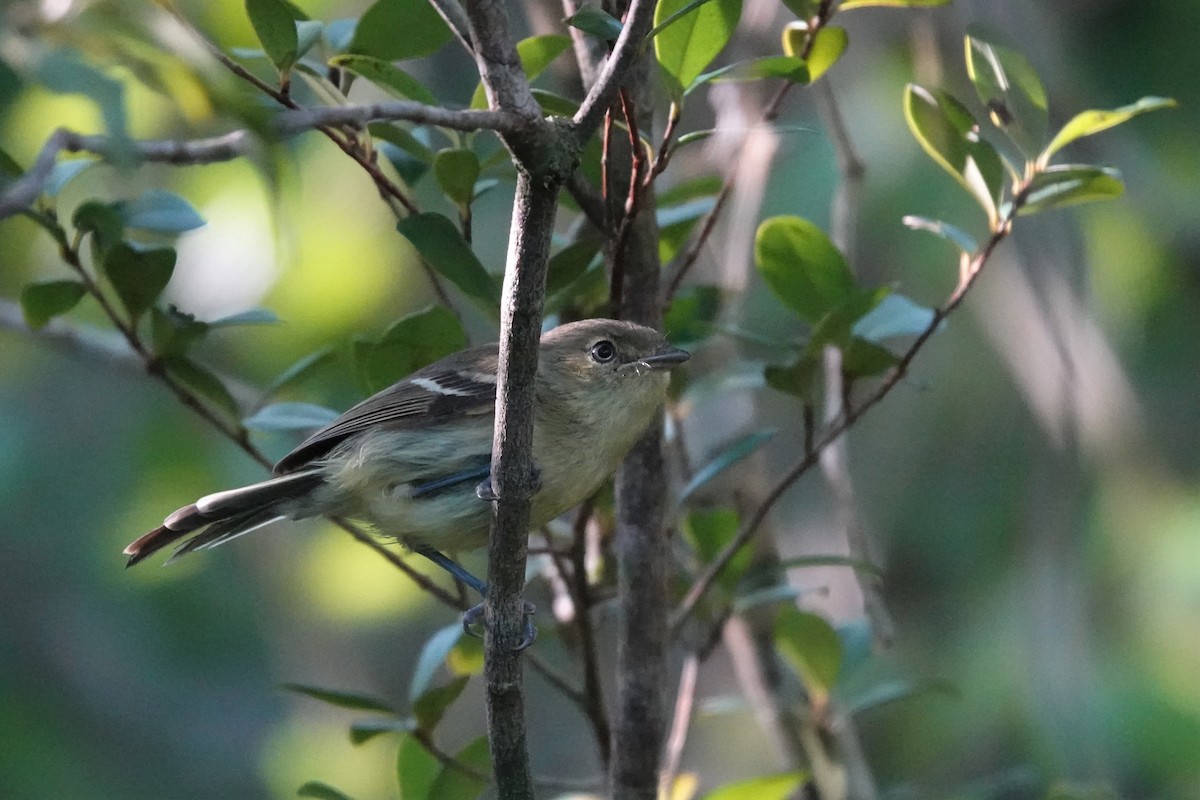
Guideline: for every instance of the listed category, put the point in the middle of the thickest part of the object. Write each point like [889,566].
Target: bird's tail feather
[223,516]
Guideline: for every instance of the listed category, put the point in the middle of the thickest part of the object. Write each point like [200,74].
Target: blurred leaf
[103,222]
[138,276]
[704,186]
[849,4]
[202,382]
[802,266]
[804,9]
[733,453]
[9,168]
[339,33]
[949,134]
[290,417]
[416,770]
[387,76]
[828,46]
[64,72]
[555,104]
[172,331]
[466,657]
[364,730]
[412,342]
[251,316]
[894,691]
[780,786]
[63,173]
[812,648]
[688,35]
[1091,122]
[964,241]
[433,655]
[316,78]
[709,531]
[863,359]
[690,318]
[568,264]
[597,22]
[754,69]
[308,33]
[442,246]
[535,53]
[454,784]
[159,211]
[393,30]
[298,370]
[403,139]
[1010,90]
[797,378]
[456,172]
[1070,184]
[276,29]
[354,702]
[857,564]
[321,791]
[836,327]
[432,704]
[42,302]
[895,316]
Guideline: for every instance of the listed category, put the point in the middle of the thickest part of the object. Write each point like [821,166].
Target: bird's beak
[666,358]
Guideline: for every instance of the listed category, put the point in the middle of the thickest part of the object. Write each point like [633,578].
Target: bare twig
[681,721]
[626,50]
[581,590]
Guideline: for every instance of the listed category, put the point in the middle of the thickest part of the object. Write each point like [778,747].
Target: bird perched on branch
[414,459]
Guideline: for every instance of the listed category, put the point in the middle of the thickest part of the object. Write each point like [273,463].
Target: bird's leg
[484,490]
[475,613]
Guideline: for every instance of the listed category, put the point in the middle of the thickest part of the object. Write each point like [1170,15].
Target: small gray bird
[409,460]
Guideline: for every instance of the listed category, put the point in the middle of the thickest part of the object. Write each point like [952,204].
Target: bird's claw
[484,491]
[474,615]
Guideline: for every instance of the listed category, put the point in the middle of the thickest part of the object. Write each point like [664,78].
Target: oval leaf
[828,46]
[138,276]
[787,67]
[442,246]
[812,648]
[456,171]
[321,791]
[535,53]
[1011,91]
[737,451]
[386,76]
[410,343]
[433,655]
[392,30]
[895,315]
[430,706]
[290,417]
[159,211]
[452,783]
[802,266]
[42,302]
[63,173]
[597,22]
[1090,122]
[764,787]
[349,700]
[201,381]
[1068,185]
[688,35]
[275,28]
[955,235]
[416,770]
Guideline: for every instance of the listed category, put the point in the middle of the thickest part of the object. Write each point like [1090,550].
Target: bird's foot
[474,616]
[485,491]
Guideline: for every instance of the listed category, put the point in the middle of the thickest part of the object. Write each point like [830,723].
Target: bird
[413,460]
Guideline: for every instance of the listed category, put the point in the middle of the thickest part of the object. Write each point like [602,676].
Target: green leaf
[63,173]
[688,35]
[440,243]
[103,222]
[410,343]
[709,531]
[339,33]
[10,170]
[754,69]
[276,30]
[693,311]
[597,22]
[570,263]
[812,648]
[1070,184]
[138,276]
[895,316]
[804,9]
[846,5]
[456,172]
[862,358]
[416,770]
[65,72]
[1090,122]
[321,791]
[454,784]
[535,53]
[339,699]
[298,370]
[433,655]
[173,332]
[432,704]
[802,266]
[835,327]
[159,211]
[964,241]
[42,302]
[386,76]
[797,378]
[202,382]
[765,787]
[251,316]
[290,417]
[828,46]
[1011,91]
[364,730]
[308,33]
[734,453]
[950,135]
[393,30]
[555,104]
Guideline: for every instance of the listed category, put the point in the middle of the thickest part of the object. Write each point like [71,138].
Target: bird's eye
[603,351]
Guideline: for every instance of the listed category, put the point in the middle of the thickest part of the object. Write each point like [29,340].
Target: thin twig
[626,49]
[685,698]
[581,590]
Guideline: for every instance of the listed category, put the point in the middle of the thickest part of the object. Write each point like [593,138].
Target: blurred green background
[1033,485]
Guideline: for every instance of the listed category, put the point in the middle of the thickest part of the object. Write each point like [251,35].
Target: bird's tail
[217,518]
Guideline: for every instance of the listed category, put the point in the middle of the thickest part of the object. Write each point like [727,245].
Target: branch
[626,51]
[970,272]
[297,120]
[499,65]
[456,20]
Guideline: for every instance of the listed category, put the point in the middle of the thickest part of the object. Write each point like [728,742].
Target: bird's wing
[461,386]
